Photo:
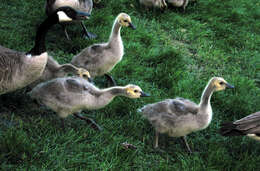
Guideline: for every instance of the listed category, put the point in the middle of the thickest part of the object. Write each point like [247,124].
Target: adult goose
[99,59]
[71,95]
[180,117]
[81,5]
[18,69]
[247,126]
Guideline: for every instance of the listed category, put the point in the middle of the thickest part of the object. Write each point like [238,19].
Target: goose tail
[230,129]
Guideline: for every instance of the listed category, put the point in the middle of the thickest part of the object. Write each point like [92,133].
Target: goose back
[18,70]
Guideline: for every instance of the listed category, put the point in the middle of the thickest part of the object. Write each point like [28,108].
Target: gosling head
[125,20]
[84,74]
[134,91]
[67,14]
[220,84]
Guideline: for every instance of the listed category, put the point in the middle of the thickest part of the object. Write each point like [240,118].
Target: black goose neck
[39,46]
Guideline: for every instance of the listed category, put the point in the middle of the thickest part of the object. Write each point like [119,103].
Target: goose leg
[86,32]
[111,79]
[186,143]
[65,31]
[156,139]
[89,121]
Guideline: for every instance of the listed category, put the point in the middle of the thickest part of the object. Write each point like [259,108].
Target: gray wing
[181,106]
[75,86]
[89,57]
[249,124]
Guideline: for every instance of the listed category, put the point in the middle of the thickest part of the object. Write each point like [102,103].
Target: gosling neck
[68,68]
[115,33]
[39,45]
[206,96]
[114,91]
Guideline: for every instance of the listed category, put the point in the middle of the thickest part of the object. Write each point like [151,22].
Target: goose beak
[143,94]
[82,15]
[229,86]
[132,26]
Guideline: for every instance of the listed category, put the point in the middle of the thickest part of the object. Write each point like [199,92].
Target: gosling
[54,70]
[180,117]
[99,59]
[71,95]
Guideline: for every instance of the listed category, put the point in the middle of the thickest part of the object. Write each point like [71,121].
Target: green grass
[170,54]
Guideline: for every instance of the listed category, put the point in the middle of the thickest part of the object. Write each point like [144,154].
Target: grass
[171,54]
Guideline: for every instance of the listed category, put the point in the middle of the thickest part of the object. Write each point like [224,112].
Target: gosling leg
[186,143]
[87,34]
[65,31]
[110,79]
[89,121]
[156,139]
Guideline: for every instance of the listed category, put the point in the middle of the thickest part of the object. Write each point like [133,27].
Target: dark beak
[91,80]
[132,26]
[82,15]
[229,86]
[143,94]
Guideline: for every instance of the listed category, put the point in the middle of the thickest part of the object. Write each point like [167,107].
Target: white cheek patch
[63,17]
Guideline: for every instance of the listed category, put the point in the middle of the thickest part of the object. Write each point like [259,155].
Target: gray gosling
[178,3]
[71,95]
[81,5]
[247,126]
[154,3]
[180,117]
[99,59]
[19,69]
[54,70]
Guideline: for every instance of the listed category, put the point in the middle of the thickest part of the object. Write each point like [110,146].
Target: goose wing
[249,124]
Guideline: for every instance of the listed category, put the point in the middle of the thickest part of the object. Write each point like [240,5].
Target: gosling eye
[136,91]
[125,21]
[85,76]
[221,83]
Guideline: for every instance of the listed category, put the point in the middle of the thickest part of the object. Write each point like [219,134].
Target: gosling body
[70,95]
[55,70]
[100,59]
[178,3]
[153,3]
[180,117]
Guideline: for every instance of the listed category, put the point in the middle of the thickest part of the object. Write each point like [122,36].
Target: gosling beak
[143,94]
[132,26]
[91,80]
[82,15]
[229,86]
